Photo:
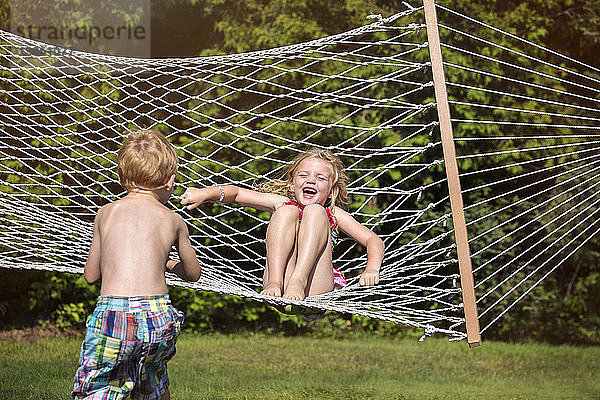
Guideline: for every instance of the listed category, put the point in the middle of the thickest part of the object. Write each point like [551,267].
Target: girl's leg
[281,239]
[313,273]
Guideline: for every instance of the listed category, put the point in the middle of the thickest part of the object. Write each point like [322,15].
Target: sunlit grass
[265,367]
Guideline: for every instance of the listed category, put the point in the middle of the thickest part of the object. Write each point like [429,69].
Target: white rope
[515,95]
[505,194]
[487,26]
[495,107]
[516,244]
[565,234]
[536,59]
[543,277]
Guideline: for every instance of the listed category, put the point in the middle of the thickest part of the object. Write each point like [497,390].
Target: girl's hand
[369,278]
[193,197]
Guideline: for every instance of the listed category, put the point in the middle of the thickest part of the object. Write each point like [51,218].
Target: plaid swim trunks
[127,345]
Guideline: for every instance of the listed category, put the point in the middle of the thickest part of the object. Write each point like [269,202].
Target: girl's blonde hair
[146,160]
[339,191]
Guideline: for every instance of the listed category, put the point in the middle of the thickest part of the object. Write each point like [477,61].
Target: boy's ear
[170,182]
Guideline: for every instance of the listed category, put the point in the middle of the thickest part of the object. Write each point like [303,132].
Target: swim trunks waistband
[134,304]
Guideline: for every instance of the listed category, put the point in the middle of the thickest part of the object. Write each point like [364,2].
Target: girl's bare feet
[294,291]
[272,289]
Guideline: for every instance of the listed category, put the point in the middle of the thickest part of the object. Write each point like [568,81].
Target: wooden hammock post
[456,201]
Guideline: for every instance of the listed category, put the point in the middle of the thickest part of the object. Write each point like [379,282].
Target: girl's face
[312,181]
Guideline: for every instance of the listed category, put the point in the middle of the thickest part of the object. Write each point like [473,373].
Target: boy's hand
[193,197]
[179,269]
[171,264]
[369,278]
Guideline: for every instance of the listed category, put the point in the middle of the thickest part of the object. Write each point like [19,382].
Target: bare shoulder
[352,227]
[104,211]
[111,209]
[169,217]
[347,223]
[105,208]
[278,200]
[343,216]
[177,219]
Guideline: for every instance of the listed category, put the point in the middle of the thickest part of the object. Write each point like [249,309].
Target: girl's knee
[286,212]
[316,211]
[315,216]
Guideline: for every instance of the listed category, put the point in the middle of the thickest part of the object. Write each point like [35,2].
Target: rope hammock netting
[525,129]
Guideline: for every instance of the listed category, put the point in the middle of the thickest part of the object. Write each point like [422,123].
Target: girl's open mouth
[309,192]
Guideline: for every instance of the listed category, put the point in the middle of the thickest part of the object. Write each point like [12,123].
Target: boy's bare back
[135,236]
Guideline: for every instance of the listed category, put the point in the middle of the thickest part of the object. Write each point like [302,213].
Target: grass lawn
[266,367]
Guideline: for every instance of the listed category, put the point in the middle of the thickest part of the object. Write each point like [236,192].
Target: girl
[304,225]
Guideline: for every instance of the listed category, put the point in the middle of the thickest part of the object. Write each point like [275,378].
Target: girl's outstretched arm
[193,197]
[369,240]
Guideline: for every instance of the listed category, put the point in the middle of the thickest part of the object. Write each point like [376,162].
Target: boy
[132,333]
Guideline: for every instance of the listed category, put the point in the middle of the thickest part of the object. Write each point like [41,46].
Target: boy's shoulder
[105,209]
[129,206]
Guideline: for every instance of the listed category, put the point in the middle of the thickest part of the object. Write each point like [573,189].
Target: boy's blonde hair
[339,191]
[146,160]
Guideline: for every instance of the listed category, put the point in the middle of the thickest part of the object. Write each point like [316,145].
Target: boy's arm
[91,271]
[367,238]
[193,197]
[188,268]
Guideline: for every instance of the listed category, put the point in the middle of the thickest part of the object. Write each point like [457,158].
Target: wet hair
[146,160]
[339,191]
